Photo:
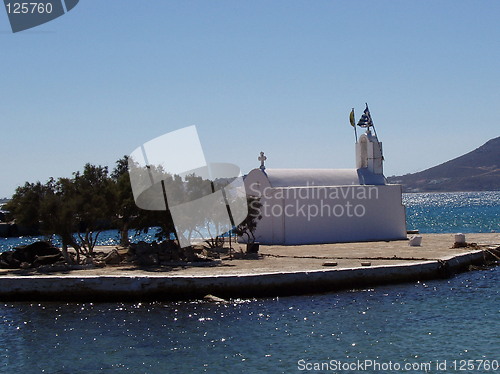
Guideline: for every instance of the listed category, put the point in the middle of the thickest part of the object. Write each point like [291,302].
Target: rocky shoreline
[43,257]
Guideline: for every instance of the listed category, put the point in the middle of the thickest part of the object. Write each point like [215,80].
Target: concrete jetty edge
[174,287]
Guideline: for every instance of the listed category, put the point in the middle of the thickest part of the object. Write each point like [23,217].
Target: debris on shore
[30,256]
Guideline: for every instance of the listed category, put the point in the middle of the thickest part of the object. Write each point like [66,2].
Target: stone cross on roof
[262,158]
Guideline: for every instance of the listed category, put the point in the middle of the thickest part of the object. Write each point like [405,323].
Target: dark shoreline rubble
[30,256]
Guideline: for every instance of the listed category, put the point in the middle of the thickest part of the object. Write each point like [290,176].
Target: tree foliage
[75,209]
[246,229]
[126,215]
[79,208]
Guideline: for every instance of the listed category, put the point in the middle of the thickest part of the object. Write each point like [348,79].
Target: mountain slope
[478,170]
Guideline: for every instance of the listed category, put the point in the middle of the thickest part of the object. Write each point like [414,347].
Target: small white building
[312,206]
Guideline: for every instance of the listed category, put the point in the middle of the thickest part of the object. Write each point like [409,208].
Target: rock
[47,260]
[147,260]
[174,256]
[214,299]
[165,257]
[99,264]
[112,258]
[163,246]
[198,248]
[122,251]
[200,258]
[189,254]
[142,248]
[210,254]
[145,254]
[8,261]
[131,250]
[168,251]
[29,253]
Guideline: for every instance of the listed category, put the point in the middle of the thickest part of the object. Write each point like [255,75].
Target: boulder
[214,299]
[8,261]
[47,260]
[112,258]
[142,248]
[175,256]
[32,255]
[29,253]
[168,251]
[201,258]
[189,254]
[165,256]
[168,245]
[147,260]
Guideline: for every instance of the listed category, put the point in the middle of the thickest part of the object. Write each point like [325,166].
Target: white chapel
[313,206]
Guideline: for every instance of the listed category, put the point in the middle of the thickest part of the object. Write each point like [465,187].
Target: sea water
[450,325]
[419,324]
[464,212]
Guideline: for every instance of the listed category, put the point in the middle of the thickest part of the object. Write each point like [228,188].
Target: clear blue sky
[277,76]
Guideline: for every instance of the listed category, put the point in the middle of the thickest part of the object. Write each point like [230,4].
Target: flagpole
[353,124]
[371,119]
[375,132]
[373,124]
[355,133]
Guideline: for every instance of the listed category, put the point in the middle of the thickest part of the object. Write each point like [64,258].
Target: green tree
[92,202]
[132,217]
[126,215]
[75,209]
[246,229]
[24,206]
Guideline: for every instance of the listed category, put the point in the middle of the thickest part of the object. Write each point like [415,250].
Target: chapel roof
[320,177]
[311,177]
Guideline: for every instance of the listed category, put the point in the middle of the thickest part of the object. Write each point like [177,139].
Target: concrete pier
[280,270]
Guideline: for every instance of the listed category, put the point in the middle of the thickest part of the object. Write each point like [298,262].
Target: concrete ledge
[177,287]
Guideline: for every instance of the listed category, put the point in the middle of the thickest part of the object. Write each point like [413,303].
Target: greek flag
[366,118]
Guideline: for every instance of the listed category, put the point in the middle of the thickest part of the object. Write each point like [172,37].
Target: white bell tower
[369,153]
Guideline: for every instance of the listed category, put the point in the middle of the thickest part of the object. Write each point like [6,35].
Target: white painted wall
[288,219]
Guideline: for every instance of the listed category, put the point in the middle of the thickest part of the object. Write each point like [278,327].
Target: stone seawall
[153,286]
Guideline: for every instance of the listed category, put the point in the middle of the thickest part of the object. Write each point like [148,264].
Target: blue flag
[366,118]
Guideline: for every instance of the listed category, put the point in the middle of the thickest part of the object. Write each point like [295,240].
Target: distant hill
[478,170]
